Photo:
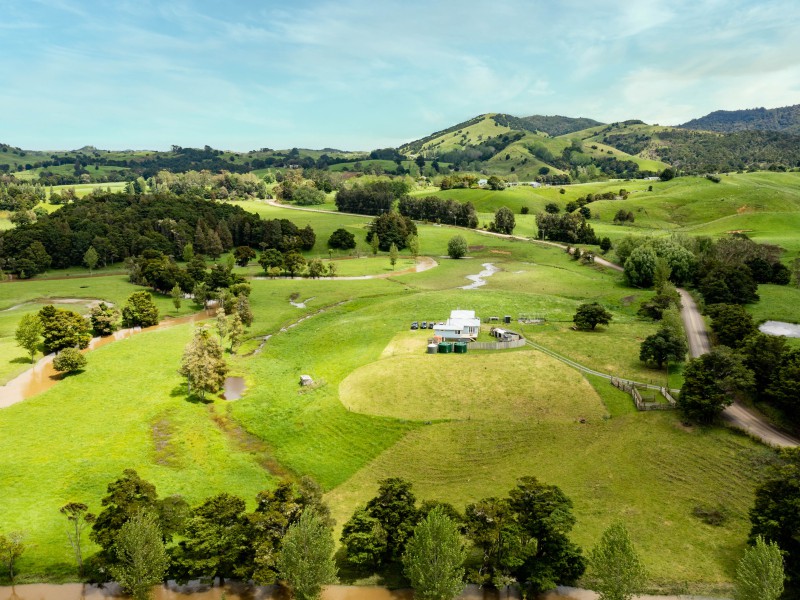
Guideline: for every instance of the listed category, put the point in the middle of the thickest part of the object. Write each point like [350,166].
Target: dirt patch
[476,248]
[499,251]
[732,231]
[247,442]
[743,209]
[628,300]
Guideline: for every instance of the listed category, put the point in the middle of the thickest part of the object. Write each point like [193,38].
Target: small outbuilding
[306,380]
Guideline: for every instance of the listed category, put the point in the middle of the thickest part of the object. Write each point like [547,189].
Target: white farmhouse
[462,325]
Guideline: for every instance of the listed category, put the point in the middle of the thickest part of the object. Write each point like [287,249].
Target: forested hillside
[786,119]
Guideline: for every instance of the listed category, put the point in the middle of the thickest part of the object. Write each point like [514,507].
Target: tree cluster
[438,210]
[218,538]
[371,198]
[391,228]
[569,228]
[522,538]
[120,226]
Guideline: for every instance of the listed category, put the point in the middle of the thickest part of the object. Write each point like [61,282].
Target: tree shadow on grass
[22,360]
[182,391]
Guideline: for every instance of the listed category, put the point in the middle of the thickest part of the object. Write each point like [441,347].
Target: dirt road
[736,415]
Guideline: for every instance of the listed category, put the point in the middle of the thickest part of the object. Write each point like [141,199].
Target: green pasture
[460,427]
[74,293]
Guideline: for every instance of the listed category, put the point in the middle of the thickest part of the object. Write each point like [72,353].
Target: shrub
[69,360]
[457,247]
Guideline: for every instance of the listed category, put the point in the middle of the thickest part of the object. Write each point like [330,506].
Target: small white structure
[306,380]
[482,182]
[462,325]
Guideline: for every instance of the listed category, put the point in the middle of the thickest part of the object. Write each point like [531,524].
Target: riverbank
[240,591]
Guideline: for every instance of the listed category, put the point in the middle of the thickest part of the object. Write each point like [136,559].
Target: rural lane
[736,414]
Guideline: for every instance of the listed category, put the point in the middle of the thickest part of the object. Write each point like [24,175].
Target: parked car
[424,325]
[414,325]
[430,324]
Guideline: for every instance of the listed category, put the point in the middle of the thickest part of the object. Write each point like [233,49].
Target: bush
[306,196]
[457,247]
[69,360]
[342,239]
[524,210]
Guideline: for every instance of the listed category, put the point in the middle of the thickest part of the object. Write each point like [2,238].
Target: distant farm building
[462,325]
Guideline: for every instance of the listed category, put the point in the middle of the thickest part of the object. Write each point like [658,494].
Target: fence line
[630,388]
[497,345]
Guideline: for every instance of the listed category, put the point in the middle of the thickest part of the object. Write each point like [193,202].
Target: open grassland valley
[224,350]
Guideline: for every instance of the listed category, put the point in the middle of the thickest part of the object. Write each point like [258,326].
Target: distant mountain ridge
[785,119]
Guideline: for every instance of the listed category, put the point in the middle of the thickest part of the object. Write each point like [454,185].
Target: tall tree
[393,255]
[78,519]
[731,324]
[457,246]
[215,541]
[589,316]
[662,346]
[243,310]
[176,293]
[104,318]
[140,310]
[615,565]
[141,560]
[63,329]
[221,325]
[544,513]
[504,221]
[760,575]
[235,331]
[12,546]
[28,334]
[709,383]
[203,364]
[90,258]
[305,559]
[434,558]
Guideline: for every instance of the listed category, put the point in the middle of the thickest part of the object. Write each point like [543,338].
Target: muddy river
[42,376]
[236,591]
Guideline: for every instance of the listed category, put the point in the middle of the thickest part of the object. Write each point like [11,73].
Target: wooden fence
[497,345]
[641,404]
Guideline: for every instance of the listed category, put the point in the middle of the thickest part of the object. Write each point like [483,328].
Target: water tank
[507,319]
[460,348]
[432,348]
[445,347]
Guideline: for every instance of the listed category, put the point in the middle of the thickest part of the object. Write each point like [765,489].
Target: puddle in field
[42,376]
[780,328]
[234,388]
[480,279]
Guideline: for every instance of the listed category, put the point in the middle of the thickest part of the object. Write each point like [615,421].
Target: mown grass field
[460,427]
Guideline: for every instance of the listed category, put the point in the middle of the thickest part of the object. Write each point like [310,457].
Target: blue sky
[360,74]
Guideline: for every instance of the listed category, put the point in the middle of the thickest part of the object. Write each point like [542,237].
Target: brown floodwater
[239,591]
[234,388]
[42,376]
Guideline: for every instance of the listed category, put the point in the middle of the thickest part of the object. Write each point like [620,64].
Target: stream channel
[42,376]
